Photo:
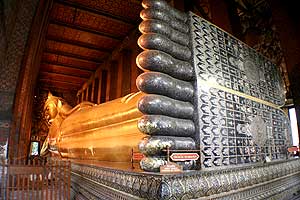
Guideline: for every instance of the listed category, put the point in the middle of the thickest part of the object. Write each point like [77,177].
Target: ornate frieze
[267,180]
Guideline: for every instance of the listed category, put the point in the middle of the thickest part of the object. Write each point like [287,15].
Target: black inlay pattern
[234,129]
[227,61]
[237,130]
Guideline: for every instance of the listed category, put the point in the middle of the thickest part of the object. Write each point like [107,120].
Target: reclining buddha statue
[202,89]
[106,132]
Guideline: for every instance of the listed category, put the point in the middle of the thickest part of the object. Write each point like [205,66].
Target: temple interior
[73,87]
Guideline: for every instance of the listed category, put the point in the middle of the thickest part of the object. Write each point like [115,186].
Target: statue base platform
[99,180]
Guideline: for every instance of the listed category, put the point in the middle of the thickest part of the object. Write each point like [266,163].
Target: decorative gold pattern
[102,23]
[90,20]
[127,9]
[63,13]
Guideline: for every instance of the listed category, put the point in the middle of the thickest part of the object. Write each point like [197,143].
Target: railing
[35,179]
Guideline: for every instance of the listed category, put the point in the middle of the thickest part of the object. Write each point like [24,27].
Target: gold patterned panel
[128,9]
[74,16]
[74,35]
[101,23]
[63,13]
[73,49]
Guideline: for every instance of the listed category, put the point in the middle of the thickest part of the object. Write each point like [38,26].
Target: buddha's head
[51,107]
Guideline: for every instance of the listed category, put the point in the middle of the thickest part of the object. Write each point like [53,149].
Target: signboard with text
[184,156]
[170,167]
[137,156]
[293,149]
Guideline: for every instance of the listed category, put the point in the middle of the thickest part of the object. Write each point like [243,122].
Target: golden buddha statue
[105,132]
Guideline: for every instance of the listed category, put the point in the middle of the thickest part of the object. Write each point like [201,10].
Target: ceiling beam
[84,58]
[62,77]
[70,62]
[58,89]
[85,29]
[44,67]
[67,65]
[58,84]
[78,43]
[96,11]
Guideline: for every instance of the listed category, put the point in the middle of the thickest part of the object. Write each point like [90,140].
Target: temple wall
[15,23]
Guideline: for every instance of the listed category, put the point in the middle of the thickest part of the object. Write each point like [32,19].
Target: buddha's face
[51,111]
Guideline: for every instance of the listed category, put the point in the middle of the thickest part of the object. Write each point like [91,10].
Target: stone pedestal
[276,180]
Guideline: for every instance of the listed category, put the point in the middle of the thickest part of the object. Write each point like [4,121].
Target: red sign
[170,167]
[137,156]
[292,149]
[184,156]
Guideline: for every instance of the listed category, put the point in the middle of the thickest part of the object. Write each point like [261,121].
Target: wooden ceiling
[81,34]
